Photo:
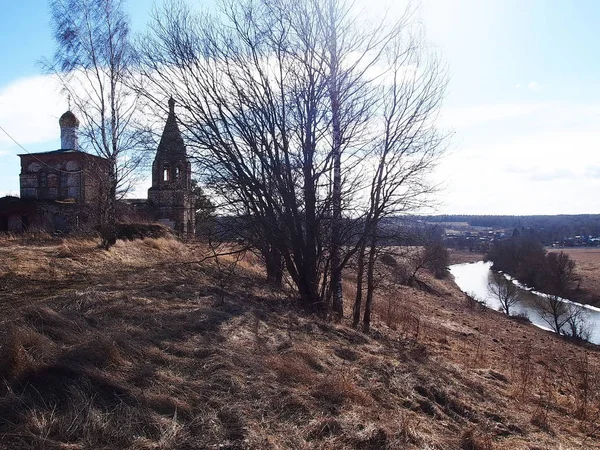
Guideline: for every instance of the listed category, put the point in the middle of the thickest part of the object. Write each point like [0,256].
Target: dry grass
[539,382]
[131,349]
[475,439]
[587,262]
[464,256]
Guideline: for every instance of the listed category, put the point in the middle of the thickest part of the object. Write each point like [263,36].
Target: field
[464,256]
[588,269]
[155,345]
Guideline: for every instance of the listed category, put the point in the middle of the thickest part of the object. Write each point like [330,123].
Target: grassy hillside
[151,346]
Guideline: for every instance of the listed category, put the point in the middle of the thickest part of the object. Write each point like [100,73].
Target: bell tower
[170,197]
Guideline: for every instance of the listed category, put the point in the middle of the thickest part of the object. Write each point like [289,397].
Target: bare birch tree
[92,62]
[558,278]
[405,153]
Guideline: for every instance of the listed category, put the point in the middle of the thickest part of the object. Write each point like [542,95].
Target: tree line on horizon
[548,229]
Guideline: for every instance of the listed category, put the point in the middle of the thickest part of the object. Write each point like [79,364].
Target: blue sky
[523,100]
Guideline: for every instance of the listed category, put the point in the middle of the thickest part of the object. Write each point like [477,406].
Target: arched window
[64,183]
[43,181]
[177,172]
[166,175]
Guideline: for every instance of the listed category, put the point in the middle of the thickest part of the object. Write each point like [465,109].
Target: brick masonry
[63,190]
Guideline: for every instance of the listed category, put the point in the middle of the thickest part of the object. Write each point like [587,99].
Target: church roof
[61,152]
[171,143]
[68,120]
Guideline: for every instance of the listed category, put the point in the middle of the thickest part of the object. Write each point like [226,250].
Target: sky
[522,105]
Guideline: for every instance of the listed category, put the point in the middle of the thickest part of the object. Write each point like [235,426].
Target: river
[473,279]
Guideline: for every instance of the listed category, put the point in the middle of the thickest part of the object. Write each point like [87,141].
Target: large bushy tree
[304,118]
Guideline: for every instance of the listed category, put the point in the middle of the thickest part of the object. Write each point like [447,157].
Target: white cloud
[545,163]
[554,174]
[592,172]
[534,86]
[9,193]
[140,190]
[29,110]
[469,116]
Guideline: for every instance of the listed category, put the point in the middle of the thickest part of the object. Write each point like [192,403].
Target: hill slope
[150,346]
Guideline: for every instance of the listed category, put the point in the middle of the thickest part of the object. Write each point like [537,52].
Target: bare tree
[506,292]
[438,258]
[578,323]
[92,62]
[558,279]
[336,154]
[250,96]
[406,151]
[562,316]
[427,251]
[285,103]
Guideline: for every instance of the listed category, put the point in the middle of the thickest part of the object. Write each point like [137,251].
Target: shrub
[13,358]
[521,318]
[132,231]
[339,389]
[388,260]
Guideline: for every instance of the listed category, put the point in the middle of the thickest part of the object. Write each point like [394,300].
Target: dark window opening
[60,224]
[3,223]
[25,222]
[43,180]
[64,185]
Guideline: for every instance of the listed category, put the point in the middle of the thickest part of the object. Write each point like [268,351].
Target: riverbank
[474,278]
[587,268]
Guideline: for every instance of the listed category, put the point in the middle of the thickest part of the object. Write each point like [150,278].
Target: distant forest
[547,229]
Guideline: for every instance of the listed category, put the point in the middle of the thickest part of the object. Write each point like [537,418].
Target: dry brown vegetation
[133,348]
[464,256]
[587,268]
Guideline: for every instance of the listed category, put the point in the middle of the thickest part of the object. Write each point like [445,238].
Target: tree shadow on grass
[119,358]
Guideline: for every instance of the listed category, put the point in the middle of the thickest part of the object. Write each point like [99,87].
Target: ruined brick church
[63,190]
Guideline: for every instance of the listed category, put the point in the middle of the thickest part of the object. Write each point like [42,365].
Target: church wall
[67,187]
[64,218]
[134,210]
[60,176]
[172,207]
[95,185]
[63,190]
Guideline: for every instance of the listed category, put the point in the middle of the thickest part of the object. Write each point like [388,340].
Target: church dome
[68,120]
